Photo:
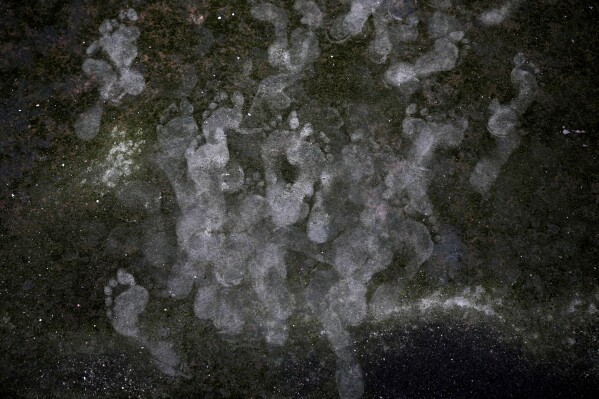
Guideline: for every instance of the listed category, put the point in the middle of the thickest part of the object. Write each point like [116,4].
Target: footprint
[123,311]
[112,68]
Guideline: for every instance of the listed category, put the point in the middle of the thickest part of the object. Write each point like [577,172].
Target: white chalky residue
[386,303]
[120,161]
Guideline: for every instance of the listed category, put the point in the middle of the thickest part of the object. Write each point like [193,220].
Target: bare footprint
[123,311]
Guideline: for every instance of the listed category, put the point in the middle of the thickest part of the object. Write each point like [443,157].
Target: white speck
[219,17]
[62,165]
[37,105]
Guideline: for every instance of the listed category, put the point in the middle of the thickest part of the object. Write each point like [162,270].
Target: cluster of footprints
[126,300]
[202,173]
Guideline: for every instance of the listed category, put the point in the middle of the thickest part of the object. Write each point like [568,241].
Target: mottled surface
[168,229]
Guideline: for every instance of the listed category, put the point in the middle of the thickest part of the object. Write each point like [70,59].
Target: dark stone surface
[534,241]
